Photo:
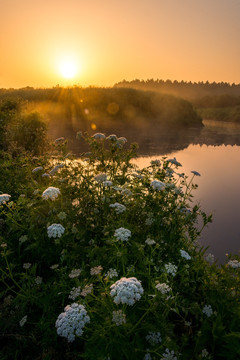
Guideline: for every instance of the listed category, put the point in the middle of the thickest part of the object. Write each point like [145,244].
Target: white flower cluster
[205,353]
[87,290]
[100,178]
[185,255]
[168,355]
[38,280]
[23,321]
[75,273]
[96,270]
[55,230]
[51,193]
[119,208]
[171,269]
[74,293]
[154,338]
[39,168]
[27,265]
[111,273]
[112,137]
[150,241]
[234,264]
[71,322]
[174,162]
[99,136]
[4,198]
[107,183]
[163,288]
[195,173]
[147,356]
[210,258]
[207,310]
[122,234]
[118,317]
[156,162]
[158,185]
[126,291]
[56,168]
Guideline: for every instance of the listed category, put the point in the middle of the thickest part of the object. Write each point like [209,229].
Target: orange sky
[112,40]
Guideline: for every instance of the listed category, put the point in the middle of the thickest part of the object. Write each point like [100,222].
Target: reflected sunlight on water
[218,192]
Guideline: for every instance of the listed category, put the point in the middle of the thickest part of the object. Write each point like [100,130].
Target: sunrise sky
[100,42]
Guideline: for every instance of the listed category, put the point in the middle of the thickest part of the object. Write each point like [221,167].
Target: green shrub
[120,243]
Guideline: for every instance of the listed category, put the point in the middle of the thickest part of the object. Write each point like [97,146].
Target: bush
[100,261]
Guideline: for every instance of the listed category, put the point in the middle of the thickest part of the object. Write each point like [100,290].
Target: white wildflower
[122,139]
[196,173]
[210,258]
[96,270]
[39,168]
[171,269]
[126,192]
[207,310]
[118,317]
[156,162]
[38,280]
[154,338]
[122,234]
[23,321]
[107,183]
[112,137]
[163,288]
[87,290]
[55,169]
[205,353]
[27,265]
[51,193]
[46,175]
[185,255]
[55,266]
[150,241]
[4,198]
[234,264]
[126,291]
[62,215]
[22,239]
[158,185]
[75,273]
[111,273]
[99,136]
[74,293]
[100,178]
[55,230]
[119,208]
[60,139]
[174,162]
[71,322]
[168,355]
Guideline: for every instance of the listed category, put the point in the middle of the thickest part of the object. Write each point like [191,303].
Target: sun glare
[68,68]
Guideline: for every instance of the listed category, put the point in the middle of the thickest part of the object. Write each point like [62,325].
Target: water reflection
[218,192]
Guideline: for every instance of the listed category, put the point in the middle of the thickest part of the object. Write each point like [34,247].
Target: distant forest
[189,90]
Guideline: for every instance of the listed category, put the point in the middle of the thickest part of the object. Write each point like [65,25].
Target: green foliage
[192,304]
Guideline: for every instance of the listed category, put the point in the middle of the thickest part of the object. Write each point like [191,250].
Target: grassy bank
[100,260]
[228,114]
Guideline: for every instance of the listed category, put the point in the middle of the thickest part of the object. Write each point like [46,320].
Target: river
[214,152]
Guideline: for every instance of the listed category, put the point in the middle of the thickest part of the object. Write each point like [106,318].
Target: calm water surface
[219,184]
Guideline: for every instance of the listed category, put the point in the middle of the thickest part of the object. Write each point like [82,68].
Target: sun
[68,68]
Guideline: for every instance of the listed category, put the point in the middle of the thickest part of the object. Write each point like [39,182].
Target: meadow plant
[125,264]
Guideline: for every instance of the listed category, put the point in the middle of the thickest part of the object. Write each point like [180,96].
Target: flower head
[75,273]
[158,185]
[122,234]
[4,198]
[119,208]
[207,310]
[55,230]
[23,321]
[96,270]
[39,168]
[171,269]
[185,255]
[150,241]
[111,273]
[154,337]
[163,288]
[118,317]
[99,136]
[234,264]
[195,173]
[51,193]
[126,291]
[71,322]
